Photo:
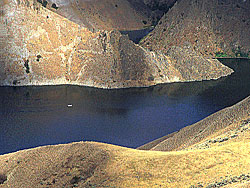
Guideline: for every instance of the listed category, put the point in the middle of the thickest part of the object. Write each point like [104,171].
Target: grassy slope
[182,168]
[93,164]
[197,132]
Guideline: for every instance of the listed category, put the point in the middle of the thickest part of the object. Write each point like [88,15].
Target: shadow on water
[137,35]
[34,116]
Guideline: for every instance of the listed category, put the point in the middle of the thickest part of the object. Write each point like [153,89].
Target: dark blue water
[35,116]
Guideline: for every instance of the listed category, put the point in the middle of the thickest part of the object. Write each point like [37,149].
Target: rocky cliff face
[39,47]
[213,28]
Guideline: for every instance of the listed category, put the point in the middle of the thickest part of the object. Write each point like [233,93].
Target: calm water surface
[35,116]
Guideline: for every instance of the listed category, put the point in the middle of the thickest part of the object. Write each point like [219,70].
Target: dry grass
[131,168]
[91,164]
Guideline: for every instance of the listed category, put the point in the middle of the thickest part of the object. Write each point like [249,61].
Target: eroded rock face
[39,47]
[212,28]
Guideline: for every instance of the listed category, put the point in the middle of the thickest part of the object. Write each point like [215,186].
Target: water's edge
[35,116]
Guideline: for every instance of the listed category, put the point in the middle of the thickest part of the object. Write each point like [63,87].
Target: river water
[36,116]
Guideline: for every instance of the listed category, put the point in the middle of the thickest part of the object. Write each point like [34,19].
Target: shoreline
[112,88]
[202,129]
[216,157]
[138,84]
[180,139]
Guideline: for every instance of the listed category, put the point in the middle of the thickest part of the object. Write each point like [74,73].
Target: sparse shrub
[38,57]
[220,54]
[3,178]
[54,6]
[26,65]
[43,2]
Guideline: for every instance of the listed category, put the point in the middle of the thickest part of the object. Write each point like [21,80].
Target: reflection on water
[34,116]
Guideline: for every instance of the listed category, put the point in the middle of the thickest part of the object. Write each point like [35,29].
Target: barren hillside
[101,14]
[40,47]
[217,28]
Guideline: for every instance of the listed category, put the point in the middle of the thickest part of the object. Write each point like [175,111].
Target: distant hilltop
[213,28]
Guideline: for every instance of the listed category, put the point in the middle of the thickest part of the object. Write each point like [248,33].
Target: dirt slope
[211,28]
[39,47]
[102,14]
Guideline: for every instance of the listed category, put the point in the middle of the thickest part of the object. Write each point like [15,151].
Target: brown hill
[212,28]
[197,132]
[101,14]
[219,160]
[39,47]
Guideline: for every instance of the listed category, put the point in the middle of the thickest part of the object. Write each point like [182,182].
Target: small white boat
[70,105]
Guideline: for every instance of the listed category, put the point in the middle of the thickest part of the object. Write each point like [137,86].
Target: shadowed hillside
[154,9]
[102,14]
[217,28]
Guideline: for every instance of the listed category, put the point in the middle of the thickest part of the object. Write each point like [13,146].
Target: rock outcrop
[40,47]
[217,28]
